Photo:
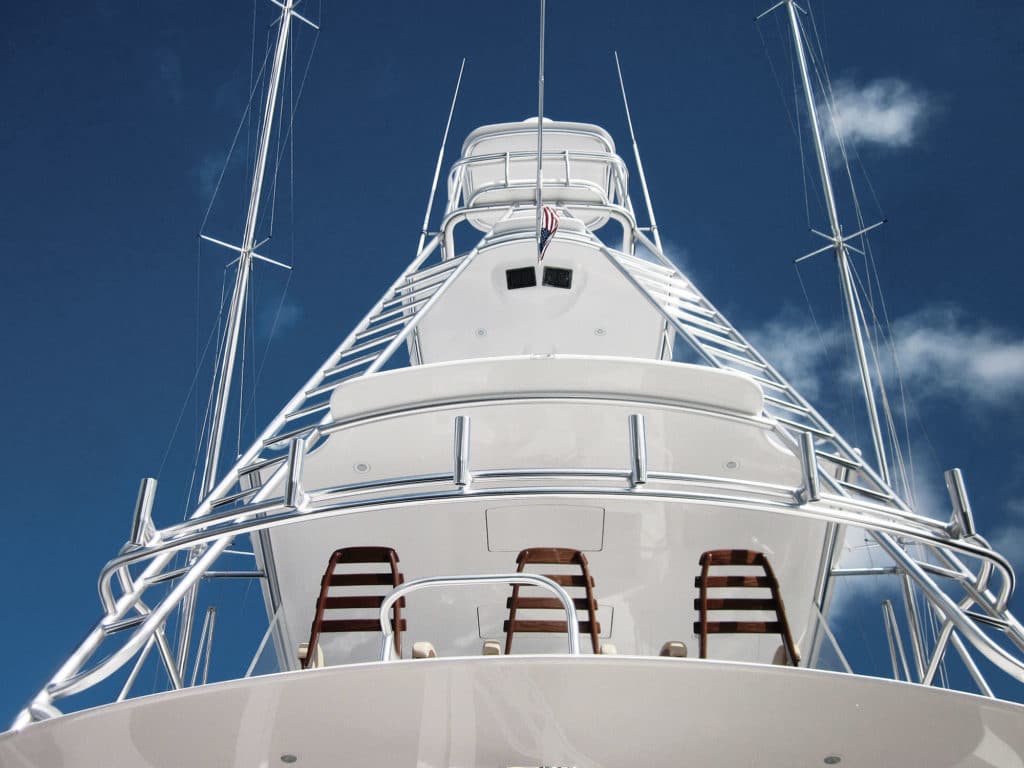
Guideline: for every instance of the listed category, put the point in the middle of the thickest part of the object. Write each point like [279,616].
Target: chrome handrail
[514,579]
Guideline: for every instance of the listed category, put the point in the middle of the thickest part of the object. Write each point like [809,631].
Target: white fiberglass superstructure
[543,512]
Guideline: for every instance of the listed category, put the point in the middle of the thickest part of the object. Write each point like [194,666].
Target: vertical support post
[142,519]
[809,466]
[637,449]
[134,674]
[461,473]
[212,614]
[914,623]
[892,632]
[293,480]
[962,522]
[842,255]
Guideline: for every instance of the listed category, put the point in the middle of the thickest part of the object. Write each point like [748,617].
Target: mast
[540,125]
[841,251]
[236,310]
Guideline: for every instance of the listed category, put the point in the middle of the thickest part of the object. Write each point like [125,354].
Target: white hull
[532,711]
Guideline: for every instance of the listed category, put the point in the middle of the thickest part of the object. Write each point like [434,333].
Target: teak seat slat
[737,604]
[716,582]
[359,579]
[772,604]
[384,581]
[740,627]
[356,625]
[581,603]
[545,625]
[543,556]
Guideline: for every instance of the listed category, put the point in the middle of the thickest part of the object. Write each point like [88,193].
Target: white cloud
[274,321]
[941,355]
[791,343]
[1008,537]
[887,112]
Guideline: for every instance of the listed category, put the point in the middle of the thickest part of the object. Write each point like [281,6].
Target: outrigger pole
[839,243]
[246,253]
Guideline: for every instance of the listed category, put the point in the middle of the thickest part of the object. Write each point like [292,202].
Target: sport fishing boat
[543,506]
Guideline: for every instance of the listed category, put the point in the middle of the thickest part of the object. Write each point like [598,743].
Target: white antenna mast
[839,242]
[540,127]
[636,155]
[440,159]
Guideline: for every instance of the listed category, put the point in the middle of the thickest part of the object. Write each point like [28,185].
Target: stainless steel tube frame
[520,579]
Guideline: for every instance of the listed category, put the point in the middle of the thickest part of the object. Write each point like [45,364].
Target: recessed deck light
[361,467]
[833,760]
[599,331]
[481,332]
[286,758]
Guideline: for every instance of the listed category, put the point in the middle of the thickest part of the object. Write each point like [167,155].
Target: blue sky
[118,117]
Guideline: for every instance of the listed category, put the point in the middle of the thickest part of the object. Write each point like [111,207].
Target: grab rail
[572,628]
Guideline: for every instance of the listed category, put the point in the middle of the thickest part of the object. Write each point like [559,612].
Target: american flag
[548,227]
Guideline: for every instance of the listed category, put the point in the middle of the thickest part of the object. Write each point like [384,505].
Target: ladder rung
[235,497]
[371,344]
[444,266]
[406,292]
[346,366]
[702,334]
[793,407]
[866,491]
[383,327]
[805,428]
[840,460]
[640,265]
[324,388]
[736,358]
[402,310]
[671,291]
[778,385]
[258,466]
[310,409]
[689,319]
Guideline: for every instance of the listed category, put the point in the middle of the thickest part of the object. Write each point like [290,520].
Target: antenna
[540,127]
[636,154]
[440,159]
